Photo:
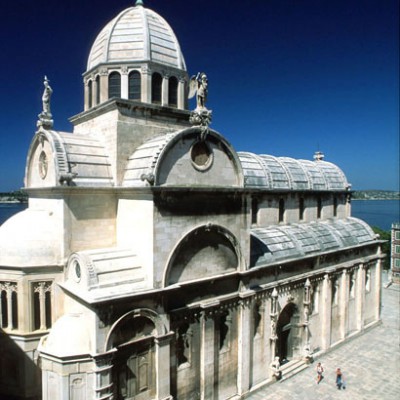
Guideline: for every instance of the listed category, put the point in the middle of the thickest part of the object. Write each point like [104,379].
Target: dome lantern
[136,56]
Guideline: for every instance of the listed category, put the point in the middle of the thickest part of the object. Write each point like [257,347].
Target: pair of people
[340,383]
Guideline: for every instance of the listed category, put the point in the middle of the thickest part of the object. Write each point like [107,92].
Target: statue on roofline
[46,96]
[200,116]
[199,84]
[45,117]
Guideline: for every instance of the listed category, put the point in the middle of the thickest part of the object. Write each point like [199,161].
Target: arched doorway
[286,330]
[134,362]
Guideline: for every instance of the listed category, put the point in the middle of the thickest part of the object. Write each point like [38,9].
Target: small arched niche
[207,251]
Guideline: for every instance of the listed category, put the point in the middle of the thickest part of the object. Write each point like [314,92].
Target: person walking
[340,383]
[320,371]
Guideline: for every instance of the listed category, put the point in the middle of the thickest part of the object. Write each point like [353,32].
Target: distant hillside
[375,195]
[14,197]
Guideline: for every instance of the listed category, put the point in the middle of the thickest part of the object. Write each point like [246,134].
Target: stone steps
[292,368]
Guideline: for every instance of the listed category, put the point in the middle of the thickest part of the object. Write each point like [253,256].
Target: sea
[379,213]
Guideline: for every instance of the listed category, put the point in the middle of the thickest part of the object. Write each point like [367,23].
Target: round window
[201,155]
[43,165]
[77,271]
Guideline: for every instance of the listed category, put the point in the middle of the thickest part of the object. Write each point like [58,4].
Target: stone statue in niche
[200,116]
[45,117]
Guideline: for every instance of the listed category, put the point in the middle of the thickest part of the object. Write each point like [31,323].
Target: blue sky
[286,77]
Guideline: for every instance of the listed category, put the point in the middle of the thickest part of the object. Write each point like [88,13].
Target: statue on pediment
[45,117]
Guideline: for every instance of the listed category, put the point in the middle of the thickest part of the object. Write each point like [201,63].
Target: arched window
[135,85]
[173,92]
[335,205]
[98,89]
[156,85]
[14,308]
[254,210]
[4,309]
[301,209]
[8,305]
[319,208]
[281,210]
[90,94]
[41,292]
[114,85]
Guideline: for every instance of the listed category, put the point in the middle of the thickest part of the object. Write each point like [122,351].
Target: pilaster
[124,83]
[378,289]
[326,312]
[146,84]
[244,330]
[164,90]
[207,367]
[181,94]
[163,366]
[344,301]
[103,85]
[360,297]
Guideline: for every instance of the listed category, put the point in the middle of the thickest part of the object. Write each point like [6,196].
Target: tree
[384,235]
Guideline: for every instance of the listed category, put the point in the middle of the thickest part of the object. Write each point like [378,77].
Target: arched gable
[182,158]
[60,158]
[206,252]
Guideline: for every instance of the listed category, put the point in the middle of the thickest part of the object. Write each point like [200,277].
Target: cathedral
[155,261]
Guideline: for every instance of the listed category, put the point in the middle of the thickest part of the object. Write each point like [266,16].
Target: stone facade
[156,262]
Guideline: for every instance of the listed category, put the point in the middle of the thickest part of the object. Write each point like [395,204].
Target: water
[380,213]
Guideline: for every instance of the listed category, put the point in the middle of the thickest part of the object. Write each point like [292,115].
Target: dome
[76,342]
[29,238]
[137,34]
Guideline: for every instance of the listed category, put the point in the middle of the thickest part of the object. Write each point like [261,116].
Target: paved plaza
[370,364]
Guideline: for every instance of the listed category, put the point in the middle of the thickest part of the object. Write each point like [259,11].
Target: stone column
[163,366]
[9,289]
[146,84]
[344,301]
[86,95]
[124,83]
[207,367]
[94,92]
[103,85]
[181,94]
[165,90]
[326,312]
[360,297]
[244,350]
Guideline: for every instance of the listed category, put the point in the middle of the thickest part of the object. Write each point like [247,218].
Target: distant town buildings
[154,261]
[395,253]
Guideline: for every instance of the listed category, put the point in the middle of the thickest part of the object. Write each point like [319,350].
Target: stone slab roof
[269,172]
[289,242]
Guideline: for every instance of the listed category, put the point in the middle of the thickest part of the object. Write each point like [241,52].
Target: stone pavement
[370,364]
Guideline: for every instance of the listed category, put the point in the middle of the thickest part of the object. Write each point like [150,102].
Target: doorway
[286,329]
